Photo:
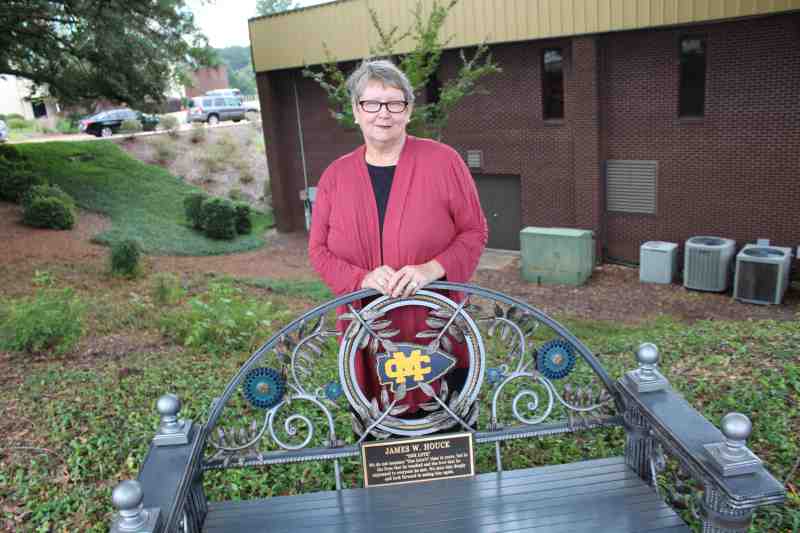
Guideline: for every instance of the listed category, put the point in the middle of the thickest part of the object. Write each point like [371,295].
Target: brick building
[207,79]
[654,126]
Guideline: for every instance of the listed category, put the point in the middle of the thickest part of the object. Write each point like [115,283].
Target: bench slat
[589,496]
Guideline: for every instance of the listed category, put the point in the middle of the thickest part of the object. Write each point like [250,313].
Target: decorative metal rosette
[494,375]
[264,388]
[556,359]
[333,390]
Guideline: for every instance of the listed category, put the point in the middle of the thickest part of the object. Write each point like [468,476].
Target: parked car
[3,131]
[225,92]
[106,123]
[213,109]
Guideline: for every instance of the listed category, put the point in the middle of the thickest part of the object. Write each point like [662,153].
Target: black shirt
[381,178]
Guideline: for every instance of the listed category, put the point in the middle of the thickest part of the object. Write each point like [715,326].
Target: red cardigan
[433,212]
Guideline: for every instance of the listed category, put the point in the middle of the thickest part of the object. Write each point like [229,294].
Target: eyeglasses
[373,106]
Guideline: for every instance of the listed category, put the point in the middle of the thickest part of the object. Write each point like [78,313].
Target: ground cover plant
[144,202]
[78,423]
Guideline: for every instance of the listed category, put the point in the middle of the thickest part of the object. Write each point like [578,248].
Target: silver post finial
[168,406]
[732,457]
[127,498]
[736,427]
[647,378]
[171,431]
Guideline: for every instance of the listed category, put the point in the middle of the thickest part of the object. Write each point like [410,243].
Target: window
[693,77]
[39,109]
[207,102]
[219,102]
[232,102]
[552,84]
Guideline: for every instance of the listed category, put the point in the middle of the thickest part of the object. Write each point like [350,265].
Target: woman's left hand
[411,278]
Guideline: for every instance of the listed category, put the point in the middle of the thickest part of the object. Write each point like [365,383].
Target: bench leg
[639,444]
[720,517]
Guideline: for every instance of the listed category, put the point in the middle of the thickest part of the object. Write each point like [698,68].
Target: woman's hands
[403,282]
[378,279]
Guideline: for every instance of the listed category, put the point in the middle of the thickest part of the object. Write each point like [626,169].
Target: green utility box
[557,255]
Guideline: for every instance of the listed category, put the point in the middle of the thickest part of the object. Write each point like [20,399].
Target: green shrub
[12,116]
[46,191]
[244,224]
[193,206]
[50,320]
[198,133]
[16,177]
[130,126]
[165,152]
[66,126]
[224,319]
[125,258]
[169,123]
[167,289]
[10,152]
[21,124]
[235,194]
[219,218]
[49,212]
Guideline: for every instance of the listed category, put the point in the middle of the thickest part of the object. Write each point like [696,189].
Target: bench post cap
[647,378]
[172,430]
[127,498]
[732,457]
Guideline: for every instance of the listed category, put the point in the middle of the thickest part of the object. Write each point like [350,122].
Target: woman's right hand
[378,279]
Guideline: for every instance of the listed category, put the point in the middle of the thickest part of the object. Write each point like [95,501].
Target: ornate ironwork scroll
[299,396]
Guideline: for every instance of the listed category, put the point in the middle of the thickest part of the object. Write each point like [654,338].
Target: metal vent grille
[631,186]
[475,158]
[758,282]
[703,270]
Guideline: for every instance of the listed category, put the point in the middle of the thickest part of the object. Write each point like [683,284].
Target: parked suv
[213,109]
[107,123]
[3,131]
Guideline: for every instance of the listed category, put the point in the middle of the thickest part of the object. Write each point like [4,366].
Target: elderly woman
[395,214]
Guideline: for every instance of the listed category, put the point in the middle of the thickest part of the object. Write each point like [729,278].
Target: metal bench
[297,399]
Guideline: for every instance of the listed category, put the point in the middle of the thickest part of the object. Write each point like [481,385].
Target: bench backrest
[298,396]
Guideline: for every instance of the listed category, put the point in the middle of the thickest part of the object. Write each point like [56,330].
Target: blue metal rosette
[556,359]
[264,388]
[333,390]
[494,375]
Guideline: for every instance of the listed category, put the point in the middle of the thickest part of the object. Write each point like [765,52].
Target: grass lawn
[75,426]
[144,201]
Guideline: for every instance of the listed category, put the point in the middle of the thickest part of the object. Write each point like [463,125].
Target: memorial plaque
[417,460]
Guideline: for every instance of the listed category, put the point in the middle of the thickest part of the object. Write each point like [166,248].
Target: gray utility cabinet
[526,377]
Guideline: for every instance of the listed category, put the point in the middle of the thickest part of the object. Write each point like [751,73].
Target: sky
[224,22]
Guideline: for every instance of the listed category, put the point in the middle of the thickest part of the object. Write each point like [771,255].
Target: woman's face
[382,128]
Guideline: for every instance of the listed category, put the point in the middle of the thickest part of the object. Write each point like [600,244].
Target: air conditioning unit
[658,262]
[762,274]
[707,263]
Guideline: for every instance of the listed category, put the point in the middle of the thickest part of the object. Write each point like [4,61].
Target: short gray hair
[381,70]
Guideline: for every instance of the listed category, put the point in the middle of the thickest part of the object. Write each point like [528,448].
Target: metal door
[501,202]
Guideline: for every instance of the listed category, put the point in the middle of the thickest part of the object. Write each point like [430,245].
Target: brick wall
[736,171]
[207,79]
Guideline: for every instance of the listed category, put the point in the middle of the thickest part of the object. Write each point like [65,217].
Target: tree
[123,50]
[420,65]
[240,68]
[270,7]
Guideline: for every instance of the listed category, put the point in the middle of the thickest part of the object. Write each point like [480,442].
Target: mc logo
[412,365]
[399,366]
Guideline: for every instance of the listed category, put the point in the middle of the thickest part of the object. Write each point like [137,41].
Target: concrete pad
[492,259]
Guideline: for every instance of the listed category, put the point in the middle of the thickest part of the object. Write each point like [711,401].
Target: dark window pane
[219,102]
[552,83]
[693,77]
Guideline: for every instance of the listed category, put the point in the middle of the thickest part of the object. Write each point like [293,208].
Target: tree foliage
[429,118]
[240,68]
[123,50]
[270,7]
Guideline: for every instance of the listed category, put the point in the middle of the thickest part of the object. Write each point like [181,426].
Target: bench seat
[589,496]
